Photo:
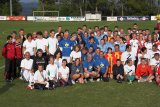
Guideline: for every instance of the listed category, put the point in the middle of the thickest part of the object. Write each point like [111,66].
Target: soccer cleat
[73,82]
[150,81]
[91,80]
[98,80]
[85,80]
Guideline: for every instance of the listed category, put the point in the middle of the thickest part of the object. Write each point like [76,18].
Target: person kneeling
[118,71]
[144,72]
[41,79]
[91,69]
[52,73]
[129,70]
[63,74]
[77,72]
[158,76]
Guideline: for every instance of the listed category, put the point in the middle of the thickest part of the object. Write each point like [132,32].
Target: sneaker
[130,82]
[141,80]
[73,82]
[150,81]
[85,80]
[98,80]
[21,78]
[91,80]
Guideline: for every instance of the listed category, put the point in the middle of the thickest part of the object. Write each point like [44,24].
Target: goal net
[46,16]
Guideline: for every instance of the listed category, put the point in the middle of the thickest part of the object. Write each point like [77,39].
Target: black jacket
[118,69]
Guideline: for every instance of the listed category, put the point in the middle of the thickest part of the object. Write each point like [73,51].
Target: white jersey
[58,62]
[52,71]
[41,44]
[40,76]
[148,45]
[128,55]
[27,64]
[52,45]
[155,62]
[64,72]
[152,53]
[140,56]
[129,69]
[75,55]
[29,47]
[134,44]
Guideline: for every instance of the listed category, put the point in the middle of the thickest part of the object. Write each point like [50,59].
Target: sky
[28,6]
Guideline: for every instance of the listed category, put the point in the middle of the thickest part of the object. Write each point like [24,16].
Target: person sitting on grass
[129,71]
[63,74]
[77,72]
[118,71]
[41,78]
[144,72]
[52,73]
[158,76]
[103,63]
[155,62]
[26,67]
[91,68]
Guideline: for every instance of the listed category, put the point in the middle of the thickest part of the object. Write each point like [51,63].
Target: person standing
[8,52]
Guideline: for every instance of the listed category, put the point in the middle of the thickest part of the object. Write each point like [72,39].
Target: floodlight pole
[10,7]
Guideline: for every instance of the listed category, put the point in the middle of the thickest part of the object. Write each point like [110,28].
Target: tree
[5,10]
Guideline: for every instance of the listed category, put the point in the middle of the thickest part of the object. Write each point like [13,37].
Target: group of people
[58,58]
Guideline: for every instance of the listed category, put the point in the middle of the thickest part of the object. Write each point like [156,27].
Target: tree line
[80,7]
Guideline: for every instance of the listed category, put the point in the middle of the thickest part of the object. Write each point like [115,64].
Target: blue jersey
[96,58]
[103,63]
[84,56]
[122,47]
[99,38]
[103,48]
[94,45]
[66,46]
[89,65]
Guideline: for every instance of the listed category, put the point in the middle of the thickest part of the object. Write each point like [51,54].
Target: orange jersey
[110,59]
[117,55]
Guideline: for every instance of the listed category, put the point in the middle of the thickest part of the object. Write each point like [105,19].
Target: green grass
[100,94]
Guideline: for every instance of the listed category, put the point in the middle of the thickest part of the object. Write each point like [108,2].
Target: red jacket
[18,50]
[146,71]
[8,51]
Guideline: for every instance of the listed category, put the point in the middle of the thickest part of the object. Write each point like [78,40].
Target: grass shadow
[6,87]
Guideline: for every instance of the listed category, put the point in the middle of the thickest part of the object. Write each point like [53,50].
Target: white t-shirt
[58,62]
[127,55]
[75,55]
[64,72]
[40,44]
[154,62]
[148,45]
[52,45]
[27,63]
[52,71]
[134,44]
[29,46]
[40,76]
[152,53]
[140,55]
[129,69]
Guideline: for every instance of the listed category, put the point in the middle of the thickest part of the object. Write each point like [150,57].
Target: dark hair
[118,60]
[128,61]
[154,46]
[52,30]
[91,38]
[29,35]
[64,60]
[9,37]
[109,49]
[143,49]
[156,54]
[58,51]
[116,45]
[127,46]
[40,65]
[40,50]
[21,30]
[39,33]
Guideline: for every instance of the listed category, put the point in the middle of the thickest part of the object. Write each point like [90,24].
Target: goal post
[46,16]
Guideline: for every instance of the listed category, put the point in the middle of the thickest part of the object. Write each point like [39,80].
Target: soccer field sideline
[88,95]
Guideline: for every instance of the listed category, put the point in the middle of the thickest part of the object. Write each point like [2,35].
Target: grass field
[101,94]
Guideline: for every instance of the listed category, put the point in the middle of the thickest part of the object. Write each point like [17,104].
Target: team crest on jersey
[77,70]
[101,65]
[90,67]
[66,45]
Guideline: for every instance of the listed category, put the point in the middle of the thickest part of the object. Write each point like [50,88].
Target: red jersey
[143,71]
[18,50]
[8,51]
